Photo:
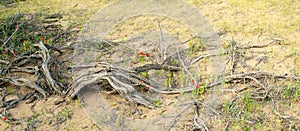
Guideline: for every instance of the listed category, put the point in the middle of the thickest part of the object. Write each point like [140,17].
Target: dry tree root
[125,81]
[42,69]
[45,68]
[50,86]
[25,82]
[122,80]
[27,58]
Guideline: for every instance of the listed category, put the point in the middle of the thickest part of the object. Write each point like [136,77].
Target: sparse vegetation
[260,90]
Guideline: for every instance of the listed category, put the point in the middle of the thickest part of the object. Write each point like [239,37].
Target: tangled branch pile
[27,58]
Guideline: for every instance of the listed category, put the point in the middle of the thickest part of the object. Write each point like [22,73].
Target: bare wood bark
[45,68]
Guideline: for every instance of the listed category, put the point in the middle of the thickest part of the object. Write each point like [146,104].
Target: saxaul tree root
[124,81]
[41,72]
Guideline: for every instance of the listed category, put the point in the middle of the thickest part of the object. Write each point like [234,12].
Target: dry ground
[247,22]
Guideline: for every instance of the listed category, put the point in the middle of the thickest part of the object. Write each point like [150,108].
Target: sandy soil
[248,23]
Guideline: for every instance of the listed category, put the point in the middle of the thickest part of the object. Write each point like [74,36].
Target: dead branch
[45,68]
[4,62]
[261,46]
[199,123]
[148,67]
[25,82]
[205,56]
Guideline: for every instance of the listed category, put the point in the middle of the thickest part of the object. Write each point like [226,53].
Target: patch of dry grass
[74,11]
[248,17]
[258,22]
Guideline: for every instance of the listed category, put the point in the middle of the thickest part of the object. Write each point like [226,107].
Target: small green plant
[158,72]
[145,74]
[96,58]
[32,120]
[70,64]
[290,91]
[63,116]
[169,78]
[199,89]
[141,59]
[181,77]
[62,80]
[100,46]
[66,113]
[287,91]
[157,102]
[174,62]
[248,103]
[227,107]
[77,103]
